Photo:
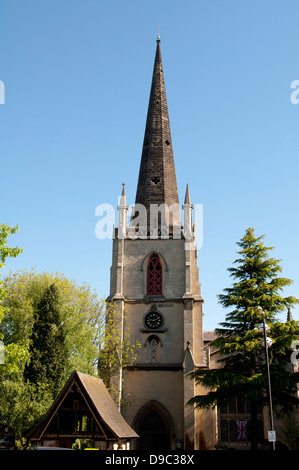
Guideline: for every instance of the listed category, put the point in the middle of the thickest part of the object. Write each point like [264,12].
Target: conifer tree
[48,354]
[242,368]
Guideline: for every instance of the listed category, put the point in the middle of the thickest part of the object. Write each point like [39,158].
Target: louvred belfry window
[154,277]
[154,350]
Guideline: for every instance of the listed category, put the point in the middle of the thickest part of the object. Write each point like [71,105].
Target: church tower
[155,286]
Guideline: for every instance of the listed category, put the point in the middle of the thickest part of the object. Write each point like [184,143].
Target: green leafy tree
[89,322]
[242,369]
[6,252]
[23,402]
[48,352]
[12,356]
[80,310]
[87,337]
[116,352]
[22,405]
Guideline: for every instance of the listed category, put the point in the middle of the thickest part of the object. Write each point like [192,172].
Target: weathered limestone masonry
[157,179]
[155,284]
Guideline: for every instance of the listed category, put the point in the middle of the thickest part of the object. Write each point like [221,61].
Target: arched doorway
[154,427]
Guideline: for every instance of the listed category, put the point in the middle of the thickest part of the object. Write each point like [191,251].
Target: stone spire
[122,214]
[188,220]
[289,315]
[187,196]
[157,179]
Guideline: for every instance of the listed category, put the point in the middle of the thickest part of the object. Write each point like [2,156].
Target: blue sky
[77,77]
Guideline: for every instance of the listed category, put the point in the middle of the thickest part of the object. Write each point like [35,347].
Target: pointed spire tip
[289,315]
[187,196]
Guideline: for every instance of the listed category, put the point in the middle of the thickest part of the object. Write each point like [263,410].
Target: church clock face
[153,320]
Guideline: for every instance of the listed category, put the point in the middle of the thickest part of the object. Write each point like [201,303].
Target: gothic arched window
[154,276]
[153,349]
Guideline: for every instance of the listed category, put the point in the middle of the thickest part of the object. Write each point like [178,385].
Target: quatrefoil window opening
[155,180]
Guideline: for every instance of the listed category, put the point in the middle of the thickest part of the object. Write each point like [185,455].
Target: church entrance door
[153,429]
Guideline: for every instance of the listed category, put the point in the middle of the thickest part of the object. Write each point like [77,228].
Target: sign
[271,436]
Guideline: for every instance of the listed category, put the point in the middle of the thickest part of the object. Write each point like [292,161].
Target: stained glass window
[154,276]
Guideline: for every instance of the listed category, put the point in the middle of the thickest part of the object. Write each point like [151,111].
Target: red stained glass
[154,276]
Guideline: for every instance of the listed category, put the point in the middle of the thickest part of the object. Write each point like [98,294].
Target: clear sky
[77,78]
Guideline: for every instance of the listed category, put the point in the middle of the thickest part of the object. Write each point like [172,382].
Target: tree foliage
[79,311]
[14,354]
[116,351]
[48,352]
[52,326]
[241,368]
[6,252]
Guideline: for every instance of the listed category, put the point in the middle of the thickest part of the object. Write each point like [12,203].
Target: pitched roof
[209,336]
[157,178]
[95,391]
[106,407]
